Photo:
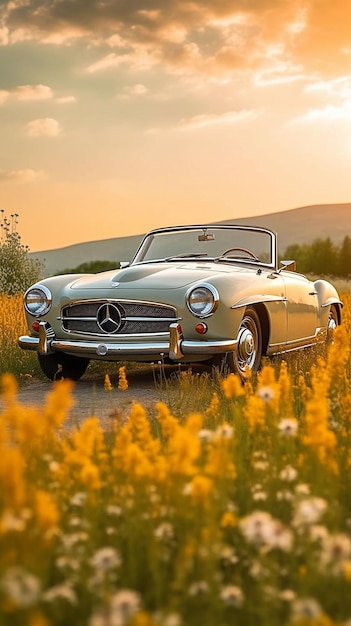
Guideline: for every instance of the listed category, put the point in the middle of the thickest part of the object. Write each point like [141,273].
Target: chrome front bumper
[175,349]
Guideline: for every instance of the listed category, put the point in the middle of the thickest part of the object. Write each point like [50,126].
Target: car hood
[154,276]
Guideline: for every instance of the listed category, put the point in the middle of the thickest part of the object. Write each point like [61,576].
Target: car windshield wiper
[189,255]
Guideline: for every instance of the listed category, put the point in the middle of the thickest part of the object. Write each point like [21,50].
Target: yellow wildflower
[38,619]
[8,389]
[337,359]
[305,391]
[90,475]
[319,438]
[213,409]
[346,408]
[285,392]
[107,383]
[85,451]
[268,389]
[233,386]
[139,425]
[46,512]
[200,488]
[142,618]
[229,520]
[219,461]
[12,480]
[122,379]
[255,413]
[183,450]
[168,422]
[58,403]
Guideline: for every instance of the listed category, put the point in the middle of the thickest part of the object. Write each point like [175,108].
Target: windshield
[231,243]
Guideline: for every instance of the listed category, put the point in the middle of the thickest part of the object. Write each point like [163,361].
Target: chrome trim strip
[116,301]
[96,349]
[146,242]
[129,318]
[297,344]
[124,319]
[258,300]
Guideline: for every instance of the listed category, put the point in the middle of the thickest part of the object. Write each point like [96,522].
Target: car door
[302,309]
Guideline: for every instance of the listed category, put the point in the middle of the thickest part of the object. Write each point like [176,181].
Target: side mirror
[123,264]
[289,265]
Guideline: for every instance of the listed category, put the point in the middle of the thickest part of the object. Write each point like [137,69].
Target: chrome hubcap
[332,325]
[246,347]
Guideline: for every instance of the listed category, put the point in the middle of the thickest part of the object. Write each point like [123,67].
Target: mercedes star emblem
[108,318]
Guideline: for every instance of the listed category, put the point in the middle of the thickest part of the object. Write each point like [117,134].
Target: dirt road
[91,398]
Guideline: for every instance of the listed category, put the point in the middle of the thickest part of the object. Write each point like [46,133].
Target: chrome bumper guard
[176,348]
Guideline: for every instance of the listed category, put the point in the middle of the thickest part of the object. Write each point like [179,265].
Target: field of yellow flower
[13,324]
[237,513]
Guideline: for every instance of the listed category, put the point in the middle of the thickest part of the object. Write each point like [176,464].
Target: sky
[117,116]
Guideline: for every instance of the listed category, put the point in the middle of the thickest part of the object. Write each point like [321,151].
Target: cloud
[4,36]
[279,74]
[21,176]
[107,62]
[134,90]
[228,36]
[33,92]
[329,113]
[228,118]
[45,127]
[340,87]
[4,95]
[138,60]
[66,99]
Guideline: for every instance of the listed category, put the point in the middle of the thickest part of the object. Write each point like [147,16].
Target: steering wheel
[248,252]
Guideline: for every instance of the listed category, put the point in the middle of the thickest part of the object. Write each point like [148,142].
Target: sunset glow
[117,117]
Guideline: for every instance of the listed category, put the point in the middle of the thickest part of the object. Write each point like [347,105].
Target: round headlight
[202,300]
[37,300]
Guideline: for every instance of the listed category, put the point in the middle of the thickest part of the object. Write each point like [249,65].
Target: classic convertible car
[191,294]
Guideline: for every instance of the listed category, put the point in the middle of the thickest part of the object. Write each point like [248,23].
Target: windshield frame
[139,257]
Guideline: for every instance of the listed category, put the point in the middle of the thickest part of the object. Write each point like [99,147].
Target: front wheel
[61,365]
[247,358]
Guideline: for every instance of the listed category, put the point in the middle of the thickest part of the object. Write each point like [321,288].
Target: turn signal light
[35,326]
[201,328]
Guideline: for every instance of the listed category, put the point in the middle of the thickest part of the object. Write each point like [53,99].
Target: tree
[323,257]
[299,254]
[92,267]
[17,270]
[344,265]
[319,257]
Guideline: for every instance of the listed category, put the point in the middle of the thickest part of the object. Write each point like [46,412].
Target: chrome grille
[136,317]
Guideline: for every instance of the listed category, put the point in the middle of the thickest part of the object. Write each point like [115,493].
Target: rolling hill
[301,225]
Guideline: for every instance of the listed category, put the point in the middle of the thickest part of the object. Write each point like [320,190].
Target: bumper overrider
[176,348]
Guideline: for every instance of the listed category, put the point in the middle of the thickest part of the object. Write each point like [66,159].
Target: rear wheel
[333,323]
[247,358]
[61,365]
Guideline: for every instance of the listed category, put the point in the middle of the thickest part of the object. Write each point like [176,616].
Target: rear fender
[327,296]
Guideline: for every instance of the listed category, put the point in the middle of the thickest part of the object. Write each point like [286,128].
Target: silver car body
[185,297]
